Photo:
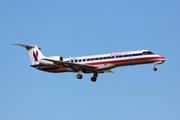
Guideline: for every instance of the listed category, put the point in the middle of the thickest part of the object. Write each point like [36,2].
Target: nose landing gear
[155,69]
[157,63]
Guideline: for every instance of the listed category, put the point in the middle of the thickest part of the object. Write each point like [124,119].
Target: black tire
[155,69]
[79,76]
[93,79]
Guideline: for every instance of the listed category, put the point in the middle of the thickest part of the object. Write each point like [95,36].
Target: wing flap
[108,71]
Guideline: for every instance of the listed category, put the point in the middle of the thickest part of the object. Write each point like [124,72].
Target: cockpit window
[149,52]
[144,53]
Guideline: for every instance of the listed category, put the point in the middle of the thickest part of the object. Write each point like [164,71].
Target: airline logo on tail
[35,55]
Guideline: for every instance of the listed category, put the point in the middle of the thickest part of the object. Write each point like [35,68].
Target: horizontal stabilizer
[34,53]
[28,47]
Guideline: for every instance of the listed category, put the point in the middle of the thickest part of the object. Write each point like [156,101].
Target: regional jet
[90,64]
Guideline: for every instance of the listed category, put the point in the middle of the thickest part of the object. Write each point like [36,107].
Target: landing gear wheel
[155,69]
[79,76]
[93,79]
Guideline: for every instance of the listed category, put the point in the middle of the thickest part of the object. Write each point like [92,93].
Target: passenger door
[130,57]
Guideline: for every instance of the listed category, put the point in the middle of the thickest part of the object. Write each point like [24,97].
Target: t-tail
[34,53]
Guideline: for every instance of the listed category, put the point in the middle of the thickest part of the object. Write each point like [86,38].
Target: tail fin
[34,53]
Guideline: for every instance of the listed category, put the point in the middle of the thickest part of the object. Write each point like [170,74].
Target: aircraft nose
[163,58]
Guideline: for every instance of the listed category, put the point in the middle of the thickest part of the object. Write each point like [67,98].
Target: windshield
[149,52]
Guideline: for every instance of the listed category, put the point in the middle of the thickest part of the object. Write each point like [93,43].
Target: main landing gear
[79,75]
[93,79]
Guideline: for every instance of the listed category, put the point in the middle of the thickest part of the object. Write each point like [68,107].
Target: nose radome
[163,58]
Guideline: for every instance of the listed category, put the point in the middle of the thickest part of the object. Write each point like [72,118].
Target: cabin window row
[110,57]
[101,58]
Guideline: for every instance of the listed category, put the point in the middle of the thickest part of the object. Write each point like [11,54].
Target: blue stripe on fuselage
[38,65]
[108,57]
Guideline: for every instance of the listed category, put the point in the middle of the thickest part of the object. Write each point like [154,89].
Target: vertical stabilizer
[34,53]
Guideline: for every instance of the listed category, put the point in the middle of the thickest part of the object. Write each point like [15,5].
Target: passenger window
[100,58]
[104,58]
[112,56]
[96,58]
[71,61]
[88,59]
[108,57]
[125,55]
[79,60]
[75,60]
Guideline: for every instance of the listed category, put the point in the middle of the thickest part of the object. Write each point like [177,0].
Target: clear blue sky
[76,28]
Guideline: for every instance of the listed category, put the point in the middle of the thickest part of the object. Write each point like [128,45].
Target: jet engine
[51,61]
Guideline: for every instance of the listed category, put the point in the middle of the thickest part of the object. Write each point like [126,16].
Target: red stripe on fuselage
[110,62]
[126,60]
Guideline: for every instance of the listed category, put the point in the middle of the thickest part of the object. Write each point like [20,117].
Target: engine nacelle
[47,63]
[51,63]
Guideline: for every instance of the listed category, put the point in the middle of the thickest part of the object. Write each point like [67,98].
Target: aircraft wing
[72,65]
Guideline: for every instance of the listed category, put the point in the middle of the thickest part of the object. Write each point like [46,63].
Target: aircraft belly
[55,69]
[60,70]
[106,66]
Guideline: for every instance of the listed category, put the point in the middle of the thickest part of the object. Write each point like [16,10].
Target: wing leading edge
[73,66]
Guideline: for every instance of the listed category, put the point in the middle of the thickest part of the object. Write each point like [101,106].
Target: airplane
[90,64]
